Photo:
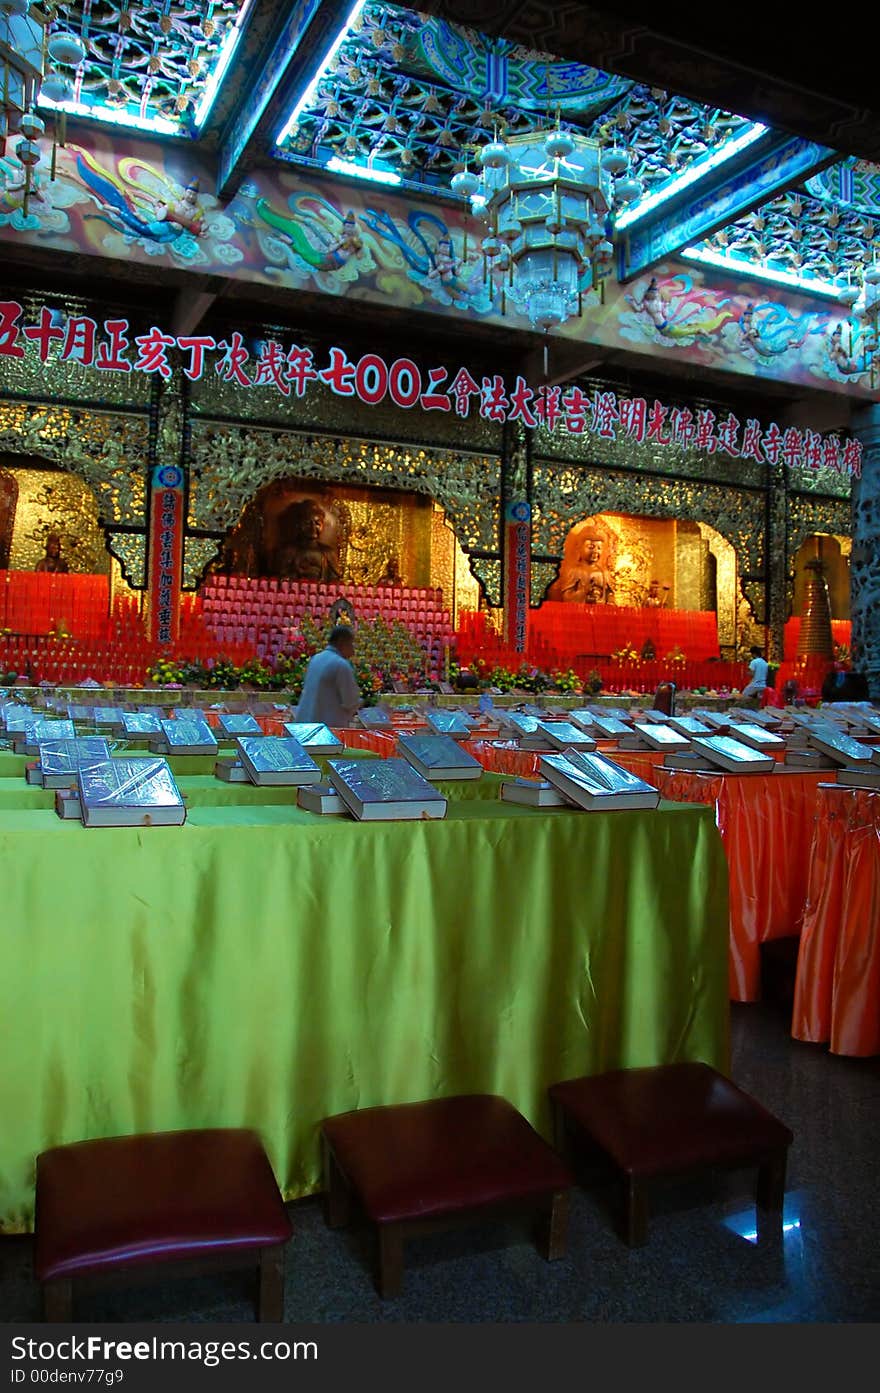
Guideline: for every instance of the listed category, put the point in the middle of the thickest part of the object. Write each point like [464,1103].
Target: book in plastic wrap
[565,735]
[188,737]
[60,759]
[321,798]
[109,718]
[130,793]
[658,717]
[231,771]
[594,782]
[41,730]
[659,736]
[141,724]
[584,719]
[609,727]
[759,737]
[439,757]
[244,724]
[840,748]
[715,720]
[18,720]
[532,793]
[384,790]
[526,731]
[860,777]
[689,726]
[732,755]
[374,718]
[315,737]
[85,715]
[67,804]
[277,760]
[689,759]
[454,723]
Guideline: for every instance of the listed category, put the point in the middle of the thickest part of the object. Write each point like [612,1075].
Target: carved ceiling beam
[272,83]
[771,165]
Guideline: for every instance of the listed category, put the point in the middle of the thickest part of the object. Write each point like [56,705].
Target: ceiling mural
[379,247]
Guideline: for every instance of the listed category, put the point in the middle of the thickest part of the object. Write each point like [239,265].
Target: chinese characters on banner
[290,371]
[517,574]
[166,549]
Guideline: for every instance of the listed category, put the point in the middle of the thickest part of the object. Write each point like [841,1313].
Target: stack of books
[594,782]
[384,790]
[439,757]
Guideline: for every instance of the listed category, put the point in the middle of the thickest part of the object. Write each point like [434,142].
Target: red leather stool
[669,1121]
[419,1167]
[200,1200]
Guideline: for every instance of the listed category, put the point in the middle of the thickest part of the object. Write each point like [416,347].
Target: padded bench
[419,1167]
[128,1208]
[667,1121]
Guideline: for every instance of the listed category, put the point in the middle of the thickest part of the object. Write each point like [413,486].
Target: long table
[264,966]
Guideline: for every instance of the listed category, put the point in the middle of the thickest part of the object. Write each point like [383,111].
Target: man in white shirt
[759,668]
[330,693]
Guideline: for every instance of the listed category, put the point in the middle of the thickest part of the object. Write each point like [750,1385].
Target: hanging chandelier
[29,40]
[547,197]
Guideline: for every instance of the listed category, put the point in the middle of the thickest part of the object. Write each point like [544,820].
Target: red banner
[166,553]
[517,574]
[290,371]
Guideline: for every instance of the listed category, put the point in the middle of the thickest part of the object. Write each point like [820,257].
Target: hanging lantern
[615,161]
[55,87]
[465,183]
[495,155]
[66,48]
[31,126]
[14,7]
[27,152]
[559,144]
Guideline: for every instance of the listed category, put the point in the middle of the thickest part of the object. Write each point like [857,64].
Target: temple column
[865,560]
[165,512]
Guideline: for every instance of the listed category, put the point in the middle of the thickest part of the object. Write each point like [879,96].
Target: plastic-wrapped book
[317,738]
[277,759]
[233,724]
[565,735]
[140,724]
[384,790]
[454,723]
[840,748]
[60,759]
[321,798]
[439,757]
[130,793]
[758,737]
[732,755]
[593,782]
[188,737]
[374,718]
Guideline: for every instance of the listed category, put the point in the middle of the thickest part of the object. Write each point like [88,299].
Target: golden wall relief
[230,464]
[51,503]
[108,451]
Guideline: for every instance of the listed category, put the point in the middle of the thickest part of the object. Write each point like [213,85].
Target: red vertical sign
[517,572]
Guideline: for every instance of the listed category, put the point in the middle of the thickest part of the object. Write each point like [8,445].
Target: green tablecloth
[263,966]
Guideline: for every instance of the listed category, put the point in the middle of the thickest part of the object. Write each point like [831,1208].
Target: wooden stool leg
[553,1230]
[635,1212]
[390,1260]
[771,1182]
[58,1301]
[337,1195]
[270,1302]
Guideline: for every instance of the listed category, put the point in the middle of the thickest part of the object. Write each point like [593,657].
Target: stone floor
[701,1263]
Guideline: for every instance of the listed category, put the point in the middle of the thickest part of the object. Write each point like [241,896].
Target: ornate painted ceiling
[413,96]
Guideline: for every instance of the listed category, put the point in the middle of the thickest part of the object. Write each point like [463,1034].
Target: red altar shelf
[766,824]
[600,630]
[36,602]
[837,989]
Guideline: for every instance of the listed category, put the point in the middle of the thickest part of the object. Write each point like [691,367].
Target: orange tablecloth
[766,824]
[837,991]
[505,757]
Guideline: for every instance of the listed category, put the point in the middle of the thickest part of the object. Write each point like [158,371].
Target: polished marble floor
[702,1261]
